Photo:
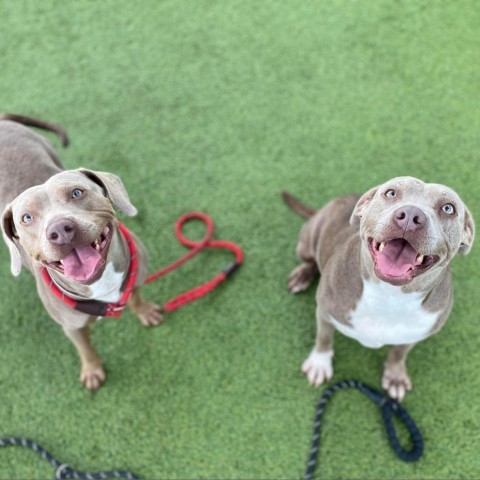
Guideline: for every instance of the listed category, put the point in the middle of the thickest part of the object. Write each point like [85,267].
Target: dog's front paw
[396,382]
[92,377]
[318,367]
[150,315]
[301,277]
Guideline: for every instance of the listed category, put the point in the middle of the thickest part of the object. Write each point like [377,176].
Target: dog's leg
[395,378]
[149,314]
[318,365]
[303,275]
[92,374]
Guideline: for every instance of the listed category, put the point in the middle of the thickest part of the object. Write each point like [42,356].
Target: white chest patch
[386,316]
[108,287]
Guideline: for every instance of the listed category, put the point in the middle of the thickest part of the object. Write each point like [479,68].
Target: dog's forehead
[409,185]
[70,178]
[413,188]
[443,192]
[40,196]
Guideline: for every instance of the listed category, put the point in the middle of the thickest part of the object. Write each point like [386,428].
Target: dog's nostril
[54,236]
[67,229]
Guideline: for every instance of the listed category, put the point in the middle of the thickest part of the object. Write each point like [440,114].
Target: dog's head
[66,223]
[412,229]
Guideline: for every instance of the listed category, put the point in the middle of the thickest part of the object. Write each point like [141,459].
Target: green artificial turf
[219,106]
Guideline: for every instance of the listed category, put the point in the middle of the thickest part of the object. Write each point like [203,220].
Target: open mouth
[397,262]
[84,263]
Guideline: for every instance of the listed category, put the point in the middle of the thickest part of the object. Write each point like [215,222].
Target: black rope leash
[388,407]
[63,471]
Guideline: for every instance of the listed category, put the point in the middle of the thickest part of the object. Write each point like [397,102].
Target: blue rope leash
[62,470]
[388,408]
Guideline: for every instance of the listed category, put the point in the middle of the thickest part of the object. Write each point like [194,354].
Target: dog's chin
[397,262]
[84,264]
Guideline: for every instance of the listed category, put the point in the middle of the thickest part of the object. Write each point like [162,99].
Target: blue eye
[77,193]
[390,193]
[449,209]
[27,218]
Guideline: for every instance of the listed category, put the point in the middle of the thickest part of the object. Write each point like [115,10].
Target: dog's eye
[77,193]
[449,209]
[27,218]
[391,193]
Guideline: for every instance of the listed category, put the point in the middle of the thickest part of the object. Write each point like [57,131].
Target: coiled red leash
[104,309]
[195,248]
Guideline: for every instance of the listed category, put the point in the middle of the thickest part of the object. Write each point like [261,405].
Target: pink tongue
[81,262]
[397,258]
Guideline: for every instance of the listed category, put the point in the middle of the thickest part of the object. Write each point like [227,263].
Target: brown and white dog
[64,220]
[384,262]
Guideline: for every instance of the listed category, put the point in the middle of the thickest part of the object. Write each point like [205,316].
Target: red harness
[104,309]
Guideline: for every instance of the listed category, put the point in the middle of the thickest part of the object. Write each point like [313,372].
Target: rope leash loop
[196,246]
[388,408]
[192,216]
[416,437]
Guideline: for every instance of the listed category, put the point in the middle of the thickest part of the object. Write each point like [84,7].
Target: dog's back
[26,159]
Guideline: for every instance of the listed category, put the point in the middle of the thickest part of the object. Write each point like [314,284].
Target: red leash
[195,248]
[103,309]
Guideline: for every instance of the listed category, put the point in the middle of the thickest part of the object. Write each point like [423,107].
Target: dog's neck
[108,287]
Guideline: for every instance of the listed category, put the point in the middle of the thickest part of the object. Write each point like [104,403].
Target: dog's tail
[33,122]
[297,206]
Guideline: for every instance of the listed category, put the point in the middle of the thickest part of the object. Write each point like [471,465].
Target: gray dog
[64,221]
[385,278]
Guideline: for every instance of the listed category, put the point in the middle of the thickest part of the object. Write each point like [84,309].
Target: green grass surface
[218,106]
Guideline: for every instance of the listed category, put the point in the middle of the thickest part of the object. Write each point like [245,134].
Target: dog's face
[66,223]
[412,229]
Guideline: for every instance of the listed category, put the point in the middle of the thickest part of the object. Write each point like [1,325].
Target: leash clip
[231,268]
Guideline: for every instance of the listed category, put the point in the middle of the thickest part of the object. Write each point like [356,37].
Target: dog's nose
[410,218]
[61,231]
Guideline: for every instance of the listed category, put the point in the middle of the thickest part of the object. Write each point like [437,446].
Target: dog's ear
[468,234]
[114,190]
[9,235]
[361,205]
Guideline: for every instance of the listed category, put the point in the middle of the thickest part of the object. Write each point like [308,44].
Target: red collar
[95,307]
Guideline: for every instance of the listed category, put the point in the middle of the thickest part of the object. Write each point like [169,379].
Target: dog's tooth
[381,247]
[419,259]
